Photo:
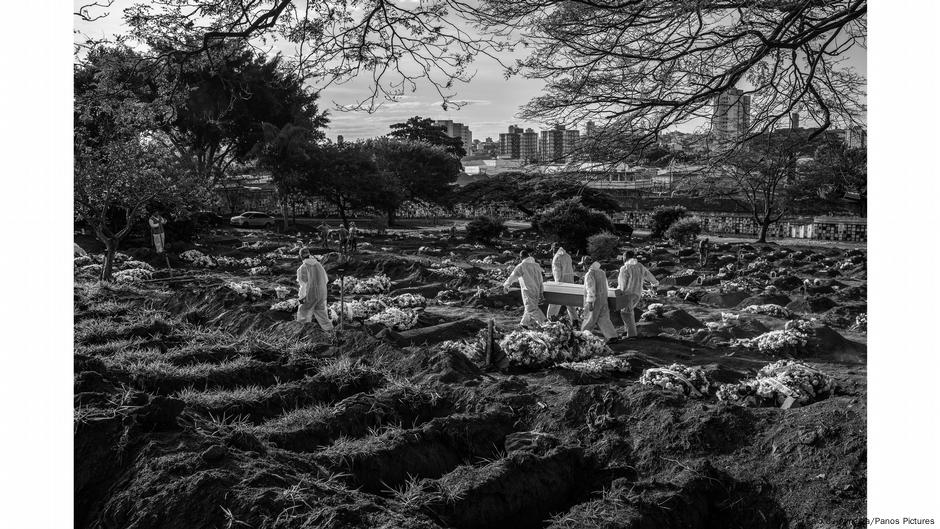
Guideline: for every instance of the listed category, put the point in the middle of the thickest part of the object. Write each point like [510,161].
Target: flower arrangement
[449,296]
[653,312]
[677,378]
[468,348]
[791,340]
[83,260]
[281,292]
[553,342]
[396,318]
[449,271]
[776,382]
[769,310]
[127,265]
[258,270]
[604,365]
[407,301]
[771,290]
[357,309]
[428,249]
[245,289]
[287,305]
[94,269]
[861,322]
[378,284]
[244,262]
[197,258]
[672,293]
[131,275]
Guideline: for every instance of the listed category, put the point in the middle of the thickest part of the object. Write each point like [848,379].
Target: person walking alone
[156,222]
[312,279]
[630,282]
[529,275]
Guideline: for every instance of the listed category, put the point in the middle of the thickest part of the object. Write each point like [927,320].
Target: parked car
[255,219]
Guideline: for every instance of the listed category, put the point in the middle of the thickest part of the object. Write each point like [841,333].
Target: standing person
[353,235]
[630,282]
[453,231]
[703,248]
[596,310]
[342,236]
[156,222]
[562,271]
[529,274]
[325,234]
[312,280]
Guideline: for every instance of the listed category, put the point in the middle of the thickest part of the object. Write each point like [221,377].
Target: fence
[848,229]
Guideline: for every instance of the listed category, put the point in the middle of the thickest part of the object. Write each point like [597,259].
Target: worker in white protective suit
[596,310]
[630,281]
[312,280]
[563,272]
[529,275]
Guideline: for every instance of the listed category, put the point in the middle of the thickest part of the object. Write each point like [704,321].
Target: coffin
[572,294]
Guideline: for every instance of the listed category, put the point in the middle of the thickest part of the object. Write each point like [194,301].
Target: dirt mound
[787,282]
[724,300]
[764,299]
[675,319]
[811,305]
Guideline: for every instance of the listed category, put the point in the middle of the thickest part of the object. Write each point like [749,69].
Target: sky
[491,100]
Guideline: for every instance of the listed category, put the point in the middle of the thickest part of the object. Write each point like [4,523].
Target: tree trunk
[284,213]
[391,216]
[342,215]
[764,226]
[111,245]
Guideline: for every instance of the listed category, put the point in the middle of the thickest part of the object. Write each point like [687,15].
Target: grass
[299,418]
[110,348]
[159,367]
[143,325]
[214,399]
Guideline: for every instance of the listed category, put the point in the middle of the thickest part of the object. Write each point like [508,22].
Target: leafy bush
[484,229]
[684,230]
[664,217]
[570,223]
[603,245]
[379,223]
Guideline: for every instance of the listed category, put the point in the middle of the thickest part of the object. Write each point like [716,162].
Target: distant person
[596,310]
[156,222]
[529,275]
[342,237]
[353,237]
[453,231]
[703,248]
[312,280]
[630,282]
[563,272]
[325,234]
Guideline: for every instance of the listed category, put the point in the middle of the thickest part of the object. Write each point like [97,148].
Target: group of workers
[346,239]
[596,312]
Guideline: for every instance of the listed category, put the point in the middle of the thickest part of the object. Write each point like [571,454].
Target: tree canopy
[530,193]
[424,130]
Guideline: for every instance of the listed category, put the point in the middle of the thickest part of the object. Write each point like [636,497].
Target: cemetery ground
[199,402]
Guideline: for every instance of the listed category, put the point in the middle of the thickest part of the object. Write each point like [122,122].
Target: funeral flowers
[677,378]
[777,382]
[245,289]
[396,318]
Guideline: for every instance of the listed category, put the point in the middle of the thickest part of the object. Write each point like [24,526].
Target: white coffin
[572,294]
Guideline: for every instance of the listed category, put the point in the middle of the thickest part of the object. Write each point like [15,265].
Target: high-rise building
[732,115]
[529,146]
[856,137]
[794,120]
[509,143]
[590,129]
[457,130]
[556,145]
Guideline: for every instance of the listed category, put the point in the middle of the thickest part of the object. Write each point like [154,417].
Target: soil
[196,407]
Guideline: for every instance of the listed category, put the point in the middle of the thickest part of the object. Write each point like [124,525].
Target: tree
[530,193]
[346,176]
[424,130]
[214,104]
[640,68]
[286,153]
[571,223]
[763,178]
[842,171]
[414,171]
[121,166]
